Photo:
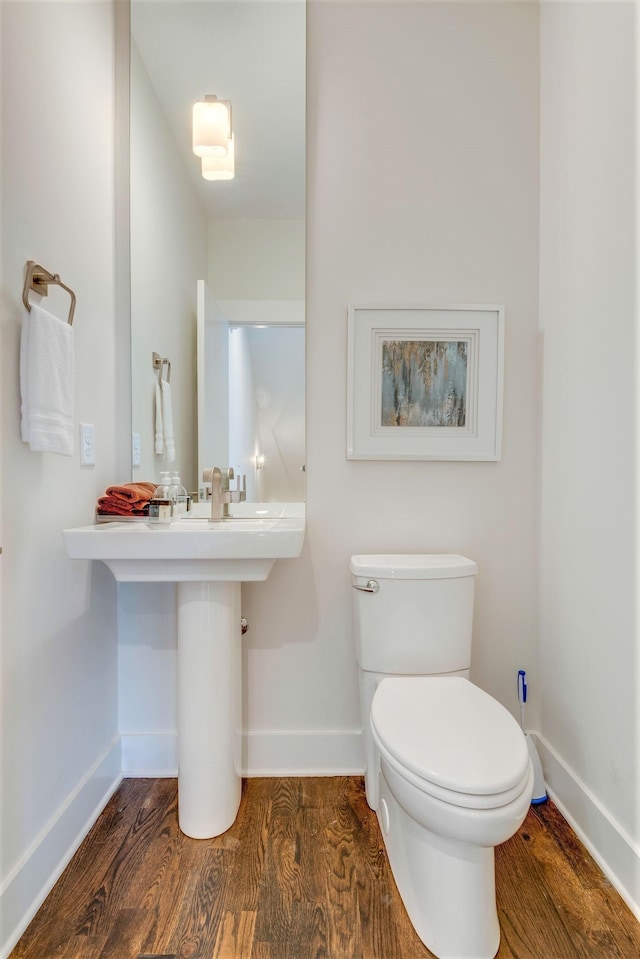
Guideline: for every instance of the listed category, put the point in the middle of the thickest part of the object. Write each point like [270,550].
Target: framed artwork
[425,383]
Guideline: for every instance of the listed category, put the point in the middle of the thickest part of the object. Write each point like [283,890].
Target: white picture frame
[425,383]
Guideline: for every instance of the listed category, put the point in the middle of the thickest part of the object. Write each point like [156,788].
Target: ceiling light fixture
[220,168]
[211,127]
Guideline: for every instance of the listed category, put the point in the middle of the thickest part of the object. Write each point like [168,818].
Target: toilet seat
[450,739]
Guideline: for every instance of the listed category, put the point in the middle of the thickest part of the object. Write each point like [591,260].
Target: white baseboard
[149,755]
[324,752]
[610,845]
[23,891]
[272,753]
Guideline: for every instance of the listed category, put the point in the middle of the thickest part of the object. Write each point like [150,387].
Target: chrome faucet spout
[221,493]
[214,475]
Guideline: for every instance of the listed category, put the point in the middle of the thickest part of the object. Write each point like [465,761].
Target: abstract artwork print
[424,383]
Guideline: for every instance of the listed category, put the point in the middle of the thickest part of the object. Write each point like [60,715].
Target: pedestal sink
[208,561]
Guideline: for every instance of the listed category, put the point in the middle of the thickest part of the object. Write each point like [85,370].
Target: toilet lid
[449,732]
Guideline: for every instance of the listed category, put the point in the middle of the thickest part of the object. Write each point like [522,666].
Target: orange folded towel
[131,499]
[132,491]
[111,506]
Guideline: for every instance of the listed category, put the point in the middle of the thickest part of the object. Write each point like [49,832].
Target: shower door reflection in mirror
[251,393]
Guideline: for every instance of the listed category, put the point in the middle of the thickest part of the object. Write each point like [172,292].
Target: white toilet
[447,767]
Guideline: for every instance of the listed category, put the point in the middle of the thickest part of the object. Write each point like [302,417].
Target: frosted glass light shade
[220,168]
[211,128]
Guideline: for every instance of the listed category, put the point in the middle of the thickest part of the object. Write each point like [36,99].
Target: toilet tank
[417,617]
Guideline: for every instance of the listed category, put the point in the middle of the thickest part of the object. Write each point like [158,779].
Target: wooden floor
[302,874]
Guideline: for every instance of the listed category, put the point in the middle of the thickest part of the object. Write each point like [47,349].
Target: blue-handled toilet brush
[539,788]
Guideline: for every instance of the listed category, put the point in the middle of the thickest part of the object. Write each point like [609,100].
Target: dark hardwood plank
[554,901]
[235,935]
[263,950]
[279,883]
[302,874]
[203,906]
[308,932]
[344,932]
[127,933]
[249,837]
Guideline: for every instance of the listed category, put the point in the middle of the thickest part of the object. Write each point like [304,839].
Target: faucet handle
[218,473]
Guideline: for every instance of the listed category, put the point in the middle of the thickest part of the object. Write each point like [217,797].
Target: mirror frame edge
[122,240]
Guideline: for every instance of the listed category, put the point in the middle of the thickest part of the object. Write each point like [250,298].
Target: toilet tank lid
[413,566]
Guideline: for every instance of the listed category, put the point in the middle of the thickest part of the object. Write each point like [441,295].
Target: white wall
[444,209]
[213,384]
[243,420]
[256,259]
[588,647]
[168,257]
[278,361]
[60,750]
[266,410]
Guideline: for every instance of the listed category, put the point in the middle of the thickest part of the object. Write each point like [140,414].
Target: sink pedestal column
[209,707]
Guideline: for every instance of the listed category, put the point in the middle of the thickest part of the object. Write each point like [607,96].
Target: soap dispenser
[179,495]
[161,505]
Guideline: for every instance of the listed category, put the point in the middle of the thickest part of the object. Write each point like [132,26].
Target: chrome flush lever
[372,586]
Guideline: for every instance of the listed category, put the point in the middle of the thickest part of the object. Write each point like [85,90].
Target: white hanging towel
[159,434]
[164,441]
[47,382]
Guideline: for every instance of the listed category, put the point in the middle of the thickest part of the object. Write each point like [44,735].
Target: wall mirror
[218,266]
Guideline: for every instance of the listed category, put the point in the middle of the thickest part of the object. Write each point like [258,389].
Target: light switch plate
[87,444]
[135,449]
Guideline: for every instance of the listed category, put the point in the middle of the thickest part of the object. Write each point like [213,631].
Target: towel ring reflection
[158,364]
[38,280]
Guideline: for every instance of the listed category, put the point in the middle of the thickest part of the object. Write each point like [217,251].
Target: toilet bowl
[455,780]
[447,768]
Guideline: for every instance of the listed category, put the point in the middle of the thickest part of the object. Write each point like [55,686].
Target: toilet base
[447,886]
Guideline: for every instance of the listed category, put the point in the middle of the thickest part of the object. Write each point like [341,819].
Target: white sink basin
[194,549]
[208,561]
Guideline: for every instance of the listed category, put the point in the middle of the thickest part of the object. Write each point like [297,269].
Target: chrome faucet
[221,493]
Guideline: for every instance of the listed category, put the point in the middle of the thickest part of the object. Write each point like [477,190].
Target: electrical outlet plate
[87,444]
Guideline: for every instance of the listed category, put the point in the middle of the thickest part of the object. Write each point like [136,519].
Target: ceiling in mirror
[244,51]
